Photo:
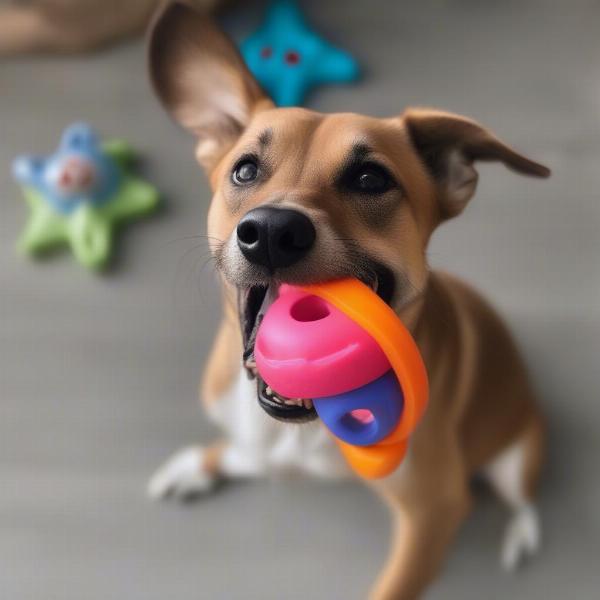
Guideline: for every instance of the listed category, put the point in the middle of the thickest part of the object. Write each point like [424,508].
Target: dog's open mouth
[254,303]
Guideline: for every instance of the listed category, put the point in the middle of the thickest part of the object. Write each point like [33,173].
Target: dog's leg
[513,475]
[421,536]
[244,453]
[195,470]
[190,472]
[427,509]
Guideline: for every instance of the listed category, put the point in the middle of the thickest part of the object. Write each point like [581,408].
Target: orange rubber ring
[368,310]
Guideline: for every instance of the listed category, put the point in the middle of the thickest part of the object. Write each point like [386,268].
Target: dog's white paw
[182,476]
[522,537]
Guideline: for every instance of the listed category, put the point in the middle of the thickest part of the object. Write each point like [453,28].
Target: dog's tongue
[307,347]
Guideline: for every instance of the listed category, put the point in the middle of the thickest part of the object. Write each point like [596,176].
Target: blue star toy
[288,58]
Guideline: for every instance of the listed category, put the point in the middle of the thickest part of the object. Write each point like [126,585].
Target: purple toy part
[366,415]
[307,348]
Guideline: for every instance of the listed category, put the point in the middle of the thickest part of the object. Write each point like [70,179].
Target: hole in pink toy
[362,415]
[359,419]
[310,308]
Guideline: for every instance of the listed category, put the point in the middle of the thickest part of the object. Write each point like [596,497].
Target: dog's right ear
[202,80]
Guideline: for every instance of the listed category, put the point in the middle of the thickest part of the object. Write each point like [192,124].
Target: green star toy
[79,194]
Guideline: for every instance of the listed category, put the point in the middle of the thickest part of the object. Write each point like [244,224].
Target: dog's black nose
[275,237]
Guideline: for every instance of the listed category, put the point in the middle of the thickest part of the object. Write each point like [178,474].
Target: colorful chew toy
[288,58]
[78,194]
[341,345]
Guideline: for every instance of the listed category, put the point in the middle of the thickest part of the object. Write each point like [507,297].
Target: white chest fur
[260,445]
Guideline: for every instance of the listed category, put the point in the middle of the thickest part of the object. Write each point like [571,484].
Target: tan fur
[481,400]
[70,26]
[223,361]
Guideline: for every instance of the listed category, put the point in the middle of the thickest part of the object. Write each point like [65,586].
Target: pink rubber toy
[330,353]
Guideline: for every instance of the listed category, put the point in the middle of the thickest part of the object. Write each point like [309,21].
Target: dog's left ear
[201,79]
[449,144]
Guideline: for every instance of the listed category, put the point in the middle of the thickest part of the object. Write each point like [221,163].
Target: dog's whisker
[205,255]
[199,269]
[193,237]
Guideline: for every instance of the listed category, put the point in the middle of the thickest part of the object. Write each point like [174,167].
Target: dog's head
[303,197]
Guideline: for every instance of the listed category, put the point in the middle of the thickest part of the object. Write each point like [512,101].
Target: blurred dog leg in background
[71,26]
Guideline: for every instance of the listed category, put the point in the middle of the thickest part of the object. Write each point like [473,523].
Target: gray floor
[98,375]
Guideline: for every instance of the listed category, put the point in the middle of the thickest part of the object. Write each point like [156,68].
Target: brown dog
[301,197]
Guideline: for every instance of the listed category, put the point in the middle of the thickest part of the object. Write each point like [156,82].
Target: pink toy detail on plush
[307,348]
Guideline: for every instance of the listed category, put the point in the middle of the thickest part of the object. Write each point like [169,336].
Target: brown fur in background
[71,26]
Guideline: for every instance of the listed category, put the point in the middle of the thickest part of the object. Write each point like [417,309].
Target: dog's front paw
[182,476]
[522,537]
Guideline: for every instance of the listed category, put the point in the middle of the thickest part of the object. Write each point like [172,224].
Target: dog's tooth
[308,403]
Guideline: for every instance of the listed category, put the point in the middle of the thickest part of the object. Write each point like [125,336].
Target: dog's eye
[371,179]
[246,171]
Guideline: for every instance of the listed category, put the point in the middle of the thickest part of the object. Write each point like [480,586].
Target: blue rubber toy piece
[288,58]
[383,398]
[80,147]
